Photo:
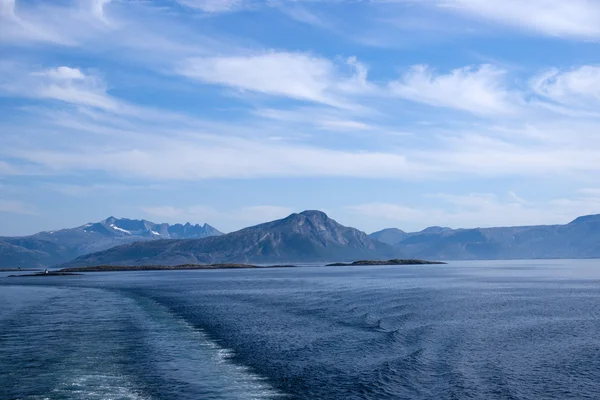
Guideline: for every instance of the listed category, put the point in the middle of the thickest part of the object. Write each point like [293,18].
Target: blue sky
[382,113]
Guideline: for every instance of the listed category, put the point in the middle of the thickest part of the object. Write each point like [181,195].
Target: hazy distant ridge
[578,239]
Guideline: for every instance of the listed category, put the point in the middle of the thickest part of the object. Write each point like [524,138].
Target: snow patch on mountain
[119,229]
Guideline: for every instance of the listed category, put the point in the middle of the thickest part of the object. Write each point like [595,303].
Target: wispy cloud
[295,75]
[152,37]
[216,157]
[578,87]
[55,24]
[215,6]
[304,15]
[574,18]
[479,90]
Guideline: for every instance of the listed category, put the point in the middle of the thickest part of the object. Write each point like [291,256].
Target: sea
[465,330]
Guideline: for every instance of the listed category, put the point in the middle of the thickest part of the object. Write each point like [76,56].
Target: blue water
[479,330]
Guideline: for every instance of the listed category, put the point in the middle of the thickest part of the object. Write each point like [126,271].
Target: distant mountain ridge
[307,236]
[390,236]
[122,227]
[53,247]
[577,239]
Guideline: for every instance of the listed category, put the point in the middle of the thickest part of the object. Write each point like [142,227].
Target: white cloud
[150,35]
[301,14]
[324,118]
[578,87]
[343,125]
[63,73]
[66,84]
[567,18]
[483,155]
[214,6]
[163,148]
[56,24]
[84,90]
[295,75]
[217,157]
[479,90]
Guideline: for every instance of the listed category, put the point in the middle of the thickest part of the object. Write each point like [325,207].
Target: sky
[382,113]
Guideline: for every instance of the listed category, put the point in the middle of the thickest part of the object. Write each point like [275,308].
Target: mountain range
[307,236]
[310,236]
[54,247]
[577,239]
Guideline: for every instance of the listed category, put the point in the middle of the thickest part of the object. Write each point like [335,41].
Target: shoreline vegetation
[124,268]
[109,268]
[386,262]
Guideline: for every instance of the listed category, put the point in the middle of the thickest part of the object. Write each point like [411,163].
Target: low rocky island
[386,262]
[49,273]
[113,268]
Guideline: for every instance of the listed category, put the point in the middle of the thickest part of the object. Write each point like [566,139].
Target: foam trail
[190,362]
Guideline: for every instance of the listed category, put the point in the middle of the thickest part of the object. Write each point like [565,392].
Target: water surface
[477,330]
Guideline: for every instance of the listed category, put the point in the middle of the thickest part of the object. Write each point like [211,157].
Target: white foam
[201,361]
[97,386]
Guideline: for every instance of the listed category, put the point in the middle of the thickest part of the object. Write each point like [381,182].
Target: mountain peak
[390,236]
[435,230]
[391,230]
[314,214]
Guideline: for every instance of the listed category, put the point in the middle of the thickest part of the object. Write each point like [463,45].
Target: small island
[114,268]
[386,262]
[49,273]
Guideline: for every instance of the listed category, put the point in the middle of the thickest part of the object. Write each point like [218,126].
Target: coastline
[69,271]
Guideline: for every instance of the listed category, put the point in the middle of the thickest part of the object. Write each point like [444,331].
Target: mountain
[393,236]
[304,237]
[48,248]
[390,236]
[577,239]
[308,236]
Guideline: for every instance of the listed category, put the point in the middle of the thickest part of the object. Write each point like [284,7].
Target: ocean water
[471,330]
